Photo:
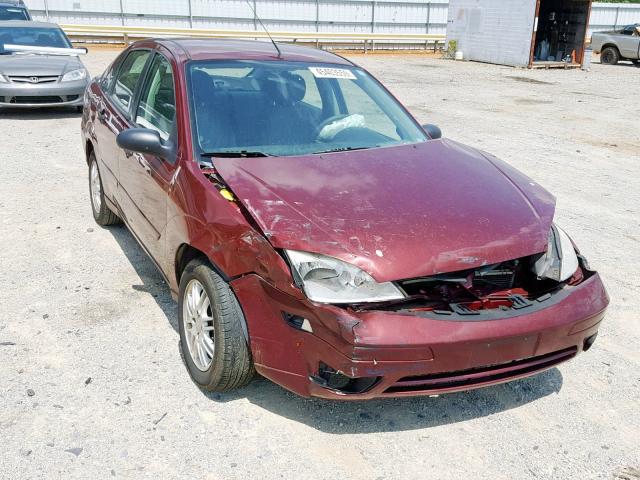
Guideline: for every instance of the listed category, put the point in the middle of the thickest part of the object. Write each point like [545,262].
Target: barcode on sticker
[325,72]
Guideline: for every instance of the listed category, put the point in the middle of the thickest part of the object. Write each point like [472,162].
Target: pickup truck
[618,45]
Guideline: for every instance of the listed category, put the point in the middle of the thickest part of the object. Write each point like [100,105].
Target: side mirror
[432,130]
[145,140]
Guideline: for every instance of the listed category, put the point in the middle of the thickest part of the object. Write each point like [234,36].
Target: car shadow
[152,281]
[394,414]
[379,415]
[38,114]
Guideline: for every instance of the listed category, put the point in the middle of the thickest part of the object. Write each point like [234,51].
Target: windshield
[38,37]
[292,108]
[13,13]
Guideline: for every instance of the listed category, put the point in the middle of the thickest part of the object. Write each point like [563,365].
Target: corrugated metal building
[384,16]
[397,16]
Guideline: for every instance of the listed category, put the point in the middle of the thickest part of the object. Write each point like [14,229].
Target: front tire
[211,323]
[102,214]
[610,56]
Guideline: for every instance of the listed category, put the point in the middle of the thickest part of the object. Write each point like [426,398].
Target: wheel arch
[185,254]
[89,148]
[610,45]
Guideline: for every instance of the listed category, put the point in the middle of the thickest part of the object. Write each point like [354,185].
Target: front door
[145,180]
[114,116]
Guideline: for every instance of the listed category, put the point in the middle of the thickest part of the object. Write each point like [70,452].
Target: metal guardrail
[126,34]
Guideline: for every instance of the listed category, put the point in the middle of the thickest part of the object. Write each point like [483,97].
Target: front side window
[127,78]
[33,37]
[157,107]
[292,108]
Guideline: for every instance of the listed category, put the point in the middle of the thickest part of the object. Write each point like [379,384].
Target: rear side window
[157,107]
[13,13]
[127,78]
[107,77]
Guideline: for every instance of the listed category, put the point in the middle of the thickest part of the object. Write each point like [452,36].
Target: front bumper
[411,355]
[54,94]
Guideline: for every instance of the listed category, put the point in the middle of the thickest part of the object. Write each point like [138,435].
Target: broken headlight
[560,261]
[329,280]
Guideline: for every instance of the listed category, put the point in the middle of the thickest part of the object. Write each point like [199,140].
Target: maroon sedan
[314,232]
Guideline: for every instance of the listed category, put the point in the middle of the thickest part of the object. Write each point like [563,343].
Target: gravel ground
[92,381]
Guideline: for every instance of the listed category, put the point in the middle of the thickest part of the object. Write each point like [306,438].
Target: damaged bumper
[331,352]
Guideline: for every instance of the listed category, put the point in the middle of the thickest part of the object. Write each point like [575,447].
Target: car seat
[214,113]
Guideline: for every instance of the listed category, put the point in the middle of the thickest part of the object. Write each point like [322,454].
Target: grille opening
[36,100]
[33,79]
[480,375]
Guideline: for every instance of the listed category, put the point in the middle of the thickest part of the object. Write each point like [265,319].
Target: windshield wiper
[236,154]
[342,149]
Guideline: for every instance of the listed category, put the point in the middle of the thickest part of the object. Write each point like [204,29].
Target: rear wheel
[610,56]
[102,214]
[212,338]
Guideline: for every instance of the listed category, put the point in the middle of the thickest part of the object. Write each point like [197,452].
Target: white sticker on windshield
[325,72]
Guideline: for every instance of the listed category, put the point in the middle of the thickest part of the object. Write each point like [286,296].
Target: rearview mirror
[432,130]
[145,140]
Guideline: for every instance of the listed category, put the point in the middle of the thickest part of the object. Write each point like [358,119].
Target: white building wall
[493,31]
[384,16]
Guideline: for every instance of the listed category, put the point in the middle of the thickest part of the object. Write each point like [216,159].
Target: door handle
[101,113]
[143,163]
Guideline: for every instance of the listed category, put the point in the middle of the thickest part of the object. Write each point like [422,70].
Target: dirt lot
[92,384]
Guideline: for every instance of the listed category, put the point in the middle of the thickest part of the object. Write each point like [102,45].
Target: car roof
[24,24]
[13,3]
[231,49]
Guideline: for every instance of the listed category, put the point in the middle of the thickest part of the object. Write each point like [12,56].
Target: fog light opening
[297,322]
[589,341]
[331,379]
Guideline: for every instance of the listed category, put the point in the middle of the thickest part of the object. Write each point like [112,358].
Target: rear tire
[102,214]
[212,338]
[610,56]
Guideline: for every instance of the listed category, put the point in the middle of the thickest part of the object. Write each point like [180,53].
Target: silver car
[39,67]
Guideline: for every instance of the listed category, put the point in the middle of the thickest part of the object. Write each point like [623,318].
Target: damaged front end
[489,291]
[494,290]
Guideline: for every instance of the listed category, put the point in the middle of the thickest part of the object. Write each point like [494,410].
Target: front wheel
[212,338]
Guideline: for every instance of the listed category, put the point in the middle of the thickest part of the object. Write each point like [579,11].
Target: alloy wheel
[199,331]
[96,188]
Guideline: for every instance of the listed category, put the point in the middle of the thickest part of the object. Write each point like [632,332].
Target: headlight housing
[329,280]
[560,261]
[75,75]
[3,79]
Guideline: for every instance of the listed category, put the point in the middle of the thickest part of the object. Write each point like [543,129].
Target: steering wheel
[329,121]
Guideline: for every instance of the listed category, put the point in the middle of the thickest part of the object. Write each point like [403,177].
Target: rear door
[114,115]
[145,179]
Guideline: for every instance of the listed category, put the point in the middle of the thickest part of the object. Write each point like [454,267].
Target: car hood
[38,65]
[397,212]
